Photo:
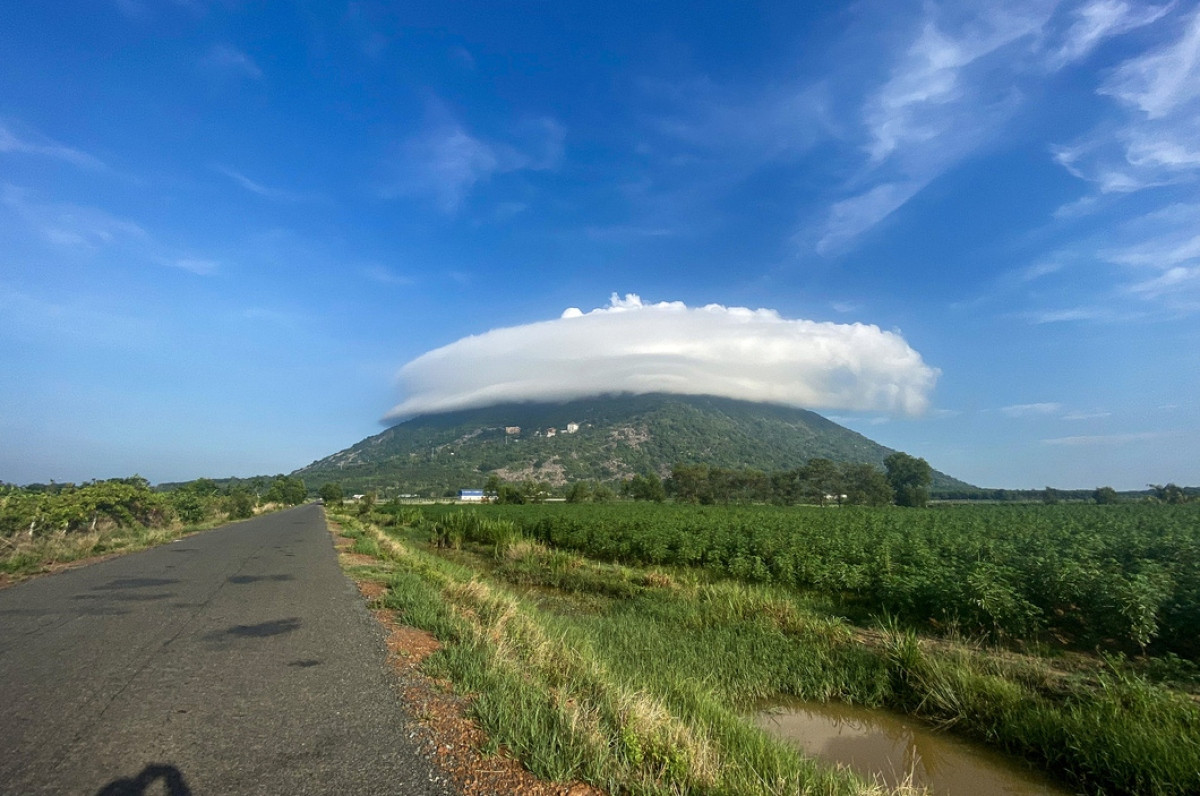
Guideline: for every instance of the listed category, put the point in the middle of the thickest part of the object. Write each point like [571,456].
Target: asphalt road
[237,661]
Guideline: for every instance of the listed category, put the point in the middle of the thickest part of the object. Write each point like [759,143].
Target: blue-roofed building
[471,495]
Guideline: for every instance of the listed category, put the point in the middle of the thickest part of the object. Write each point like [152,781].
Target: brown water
[886,747]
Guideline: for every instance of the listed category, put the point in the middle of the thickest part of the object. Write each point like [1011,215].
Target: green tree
[196,501]
[579,492]
[866,485]
[645,487]
[205,487]
[191,508]
[787,487]
[821,481]
[492,488]
[535,491]
[909,478]
[1171,493]
[239,503]
[691,483]
[509,494]
[602,494]
[287,490]
[331,493]
[1105,495]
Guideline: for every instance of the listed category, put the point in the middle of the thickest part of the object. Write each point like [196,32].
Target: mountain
[596,439]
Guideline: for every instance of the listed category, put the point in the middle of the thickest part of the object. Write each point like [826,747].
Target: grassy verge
[635,679]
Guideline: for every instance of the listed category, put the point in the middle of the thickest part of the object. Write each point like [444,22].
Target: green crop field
[1121,577]
[623,644]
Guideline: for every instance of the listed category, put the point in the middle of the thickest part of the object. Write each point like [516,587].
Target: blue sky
[225,227]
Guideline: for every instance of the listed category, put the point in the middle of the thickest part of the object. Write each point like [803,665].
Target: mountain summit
[598,439]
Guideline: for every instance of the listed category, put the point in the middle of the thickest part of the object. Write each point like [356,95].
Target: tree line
[1171,494]
[40,509]
[904,480]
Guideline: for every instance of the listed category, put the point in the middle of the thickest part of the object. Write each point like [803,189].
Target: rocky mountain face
[598,439]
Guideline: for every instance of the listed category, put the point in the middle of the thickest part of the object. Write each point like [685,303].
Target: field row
[1124,577]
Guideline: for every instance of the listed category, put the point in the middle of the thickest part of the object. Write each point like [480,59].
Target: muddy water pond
[884,746]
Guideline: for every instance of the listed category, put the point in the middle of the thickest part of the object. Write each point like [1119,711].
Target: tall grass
[22,557]
[547,688]
[637,679]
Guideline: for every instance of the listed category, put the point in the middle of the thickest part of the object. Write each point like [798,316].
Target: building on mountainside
[512,430]
[550,432]
[572,428]
[470,495]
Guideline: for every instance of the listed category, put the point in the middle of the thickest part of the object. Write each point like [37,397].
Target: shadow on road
[172,780]
[134,583]
[243,579]
[275,627]
[136,597]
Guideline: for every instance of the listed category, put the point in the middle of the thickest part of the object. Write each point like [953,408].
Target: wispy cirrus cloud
[69,225]
[1080,416]
[385,276]
[462,56]
[698,140]
[86,230]
[1155,260]
[446,162]
[1161,81]
[363,22]
[967,70]
[194,265]
[225,60]
[1071,315]
[256,187]
[953,82]
[1151,138]
[850,218]
[1032,410]
[1141,163]
[749,127]
[948,93]
[1090,440]
[938,82]
[41,146]
[85,321]
[1094,22]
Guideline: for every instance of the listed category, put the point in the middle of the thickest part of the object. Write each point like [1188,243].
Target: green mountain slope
[617,436]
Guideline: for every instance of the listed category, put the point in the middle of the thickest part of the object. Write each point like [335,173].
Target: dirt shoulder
[446,732]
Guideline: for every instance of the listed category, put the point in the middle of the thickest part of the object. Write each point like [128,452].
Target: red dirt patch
[371,590]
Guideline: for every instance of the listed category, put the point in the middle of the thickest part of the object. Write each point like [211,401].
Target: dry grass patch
[445,731]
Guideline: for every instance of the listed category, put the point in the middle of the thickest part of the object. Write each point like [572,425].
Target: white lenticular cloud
[632,347]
